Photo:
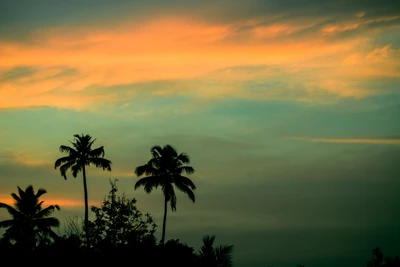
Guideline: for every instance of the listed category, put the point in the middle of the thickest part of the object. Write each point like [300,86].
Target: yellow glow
[61,202]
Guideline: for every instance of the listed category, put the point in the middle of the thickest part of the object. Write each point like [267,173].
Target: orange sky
[288,110]
[177,48]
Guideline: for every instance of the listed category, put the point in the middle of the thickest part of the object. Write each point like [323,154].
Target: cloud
[388,141]
[287,57]
[61,202]
[103,12]
[26,159]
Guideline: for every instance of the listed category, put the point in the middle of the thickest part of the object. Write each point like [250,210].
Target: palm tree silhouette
[220,256]
[165,169]
[30,222]
[79,156]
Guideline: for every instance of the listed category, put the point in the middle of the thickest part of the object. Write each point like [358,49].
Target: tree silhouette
[177,254]
[79,156]
[30,223]
[220,256]
[379,261]
[118,222]
[165,169]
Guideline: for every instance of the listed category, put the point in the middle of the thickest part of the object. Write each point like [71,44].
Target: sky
[288,109]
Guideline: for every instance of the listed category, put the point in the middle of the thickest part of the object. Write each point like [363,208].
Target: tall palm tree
[220,256]
[80,155]
[165,169]
[30,221]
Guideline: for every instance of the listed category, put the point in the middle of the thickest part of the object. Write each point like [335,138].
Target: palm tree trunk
[85,192]
[164,221]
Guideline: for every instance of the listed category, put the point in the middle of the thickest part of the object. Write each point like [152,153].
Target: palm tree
[220,256]
[165,169]
[30,221]
[79,156]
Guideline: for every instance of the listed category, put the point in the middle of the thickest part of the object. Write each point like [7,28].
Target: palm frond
[29,191]
[207,250]
[40,192]
[65,167]
[169,193]
[7,223]
[21,192]
[90,142]
[208,241]
[67,149]
[146,169]
[185,169]
[76,169]
[39,205]
[45,212]
[170,151]
[101,163]
[183,158]
[185,181]
[64,160]
[156,151]
[155,165]
[223,256]
[149,183]
[76,143]
[78,137]
[97,152]
[12,211]
[185,189]
[82,142]
[173,200]
[47,222]
[15,197]
[140,170]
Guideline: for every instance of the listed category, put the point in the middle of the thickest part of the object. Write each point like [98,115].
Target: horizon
[288,110]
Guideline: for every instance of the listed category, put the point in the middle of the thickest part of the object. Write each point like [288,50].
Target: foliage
[176,253]
[165,169]
[220,256]
[118,222]
[30,224]
[379,261]
[79,156]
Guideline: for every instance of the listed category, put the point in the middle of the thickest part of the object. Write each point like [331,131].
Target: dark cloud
[17,19]
[17,73]
[26,74]
[274,10]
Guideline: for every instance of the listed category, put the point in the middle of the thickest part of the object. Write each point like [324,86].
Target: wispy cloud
[33,159]
[330,54]
[28,160]
[61,202]
[381,141]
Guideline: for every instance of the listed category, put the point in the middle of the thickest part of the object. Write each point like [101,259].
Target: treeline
[119,233]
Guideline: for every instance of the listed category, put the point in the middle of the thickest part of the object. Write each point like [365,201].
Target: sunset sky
[289,111]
